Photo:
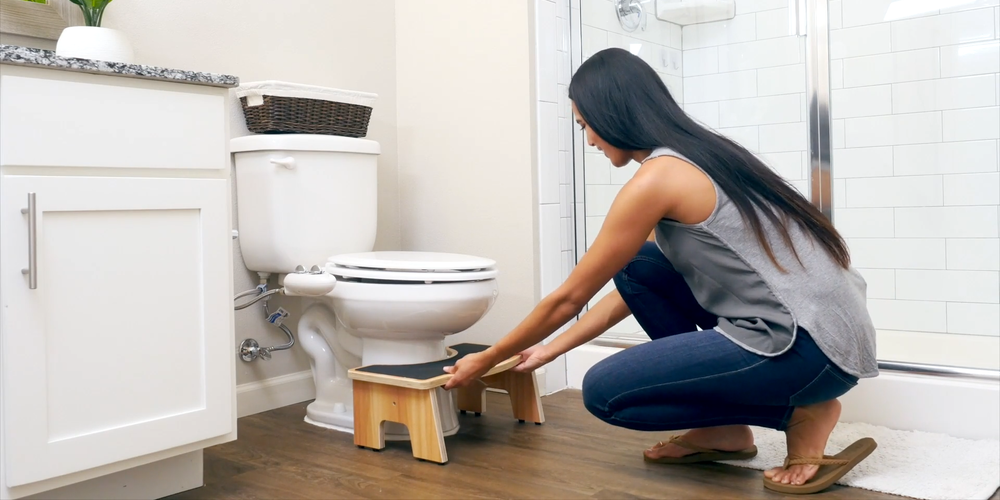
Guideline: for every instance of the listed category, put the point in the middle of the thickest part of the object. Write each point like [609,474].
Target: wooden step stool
[405,394]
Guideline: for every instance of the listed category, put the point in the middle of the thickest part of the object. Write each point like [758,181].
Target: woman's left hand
[469,369]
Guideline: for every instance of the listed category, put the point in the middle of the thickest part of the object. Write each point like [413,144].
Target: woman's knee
[597,392]
[632,272]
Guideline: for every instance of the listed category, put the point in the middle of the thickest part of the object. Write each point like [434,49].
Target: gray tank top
[760,307]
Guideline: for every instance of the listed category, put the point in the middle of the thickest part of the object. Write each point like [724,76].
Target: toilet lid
[412,266]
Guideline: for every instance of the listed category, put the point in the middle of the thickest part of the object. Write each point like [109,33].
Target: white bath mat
[908,463]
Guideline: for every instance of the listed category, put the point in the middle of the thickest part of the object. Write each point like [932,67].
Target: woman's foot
[806,436]
[725,438]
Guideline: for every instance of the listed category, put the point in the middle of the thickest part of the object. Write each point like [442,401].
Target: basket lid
[304,142]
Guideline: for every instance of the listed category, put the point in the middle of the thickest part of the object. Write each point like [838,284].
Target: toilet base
[338,415]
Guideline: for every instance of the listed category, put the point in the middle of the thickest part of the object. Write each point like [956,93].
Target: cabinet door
[125,345]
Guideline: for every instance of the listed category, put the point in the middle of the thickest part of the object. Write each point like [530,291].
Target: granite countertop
[13,54]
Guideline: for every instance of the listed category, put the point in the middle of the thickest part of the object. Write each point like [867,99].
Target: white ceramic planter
[91,42]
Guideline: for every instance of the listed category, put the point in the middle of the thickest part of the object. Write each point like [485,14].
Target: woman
[756,315]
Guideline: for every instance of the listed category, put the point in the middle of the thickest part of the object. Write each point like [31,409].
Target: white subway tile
[600,197]
[747,6]
[562,34]
[836,14]
[912,191]
[916,128]
[972,124]
[675,36]
[862,162]
[860,41]
[548,153]
[945,158]
[760,54]
[748,137]
[788,165]
[837,74]
[783,137]
[864,222]
[566,233]
[862,12]
[596,169]
[949,286]
[562,8]
[675,85]
[594,40]
[565,134]
[862,101]
[547,53]
[974,319]
[839,195]
[896,253]
[550,248]
[913,65]
[594,225]
[565,108]
[565,168]
[946,222]
[947,93]
[781,80]
[701,61]
[760,111]
[741,28]
[772,24]
[908,315]
[881,283]
[566,201]
[719,87]
[565,66]
[969,5]
[707,113]
[972,189]
[946,29]
[802,186]
[970,59]
[979,254]
[568,265]
[621,175]
[839,134]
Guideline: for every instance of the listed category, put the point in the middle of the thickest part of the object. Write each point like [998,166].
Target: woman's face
[618,157]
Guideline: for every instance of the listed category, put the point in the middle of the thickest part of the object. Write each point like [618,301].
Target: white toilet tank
[304,198]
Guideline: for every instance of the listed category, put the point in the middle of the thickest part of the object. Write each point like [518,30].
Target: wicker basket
[284,108]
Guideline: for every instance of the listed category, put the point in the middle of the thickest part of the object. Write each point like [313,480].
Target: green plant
[93,10]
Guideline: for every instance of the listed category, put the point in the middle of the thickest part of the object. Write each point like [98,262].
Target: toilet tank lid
[303,142]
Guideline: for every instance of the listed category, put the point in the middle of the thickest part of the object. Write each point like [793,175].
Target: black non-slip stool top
[424,371]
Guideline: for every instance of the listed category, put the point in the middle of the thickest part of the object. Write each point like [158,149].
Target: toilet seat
[412,267]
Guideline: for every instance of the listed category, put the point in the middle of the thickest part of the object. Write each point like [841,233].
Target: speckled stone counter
[13,54]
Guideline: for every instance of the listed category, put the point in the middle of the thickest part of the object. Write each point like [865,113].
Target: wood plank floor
[573,455]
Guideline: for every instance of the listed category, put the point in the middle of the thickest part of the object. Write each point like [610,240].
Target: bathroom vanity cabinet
[117,357]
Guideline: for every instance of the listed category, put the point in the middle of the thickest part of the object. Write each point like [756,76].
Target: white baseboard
[963,408]
[265,395]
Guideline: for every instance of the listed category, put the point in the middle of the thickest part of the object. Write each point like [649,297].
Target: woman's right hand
[532,359]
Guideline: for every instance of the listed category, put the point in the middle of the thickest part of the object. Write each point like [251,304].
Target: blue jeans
[686,378]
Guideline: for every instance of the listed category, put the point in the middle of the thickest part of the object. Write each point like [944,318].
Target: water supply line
[299,283]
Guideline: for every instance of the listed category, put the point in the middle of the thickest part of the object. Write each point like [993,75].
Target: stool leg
[472,398]
[420,413]
[525,400]
[369,415]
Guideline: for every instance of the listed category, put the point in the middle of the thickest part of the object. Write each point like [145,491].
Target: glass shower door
[743,75]
[915,89]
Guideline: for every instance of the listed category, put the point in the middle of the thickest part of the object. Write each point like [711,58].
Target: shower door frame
[808,19]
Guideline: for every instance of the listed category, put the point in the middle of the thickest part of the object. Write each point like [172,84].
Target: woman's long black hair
[626,103]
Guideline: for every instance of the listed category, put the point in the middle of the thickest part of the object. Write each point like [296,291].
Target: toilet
[307,208]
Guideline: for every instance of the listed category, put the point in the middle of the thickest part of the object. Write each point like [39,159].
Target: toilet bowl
[300,197]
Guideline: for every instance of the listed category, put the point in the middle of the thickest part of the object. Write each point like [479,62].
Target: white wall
[917,188]
[319,43]
[466,141]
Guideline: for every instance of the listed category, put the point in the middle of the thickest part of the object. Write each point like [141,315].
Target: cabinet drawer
[73,120]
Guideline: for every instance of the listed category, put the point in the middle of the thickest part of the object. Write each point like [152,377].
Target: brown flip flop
[831,468]
[702,455]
